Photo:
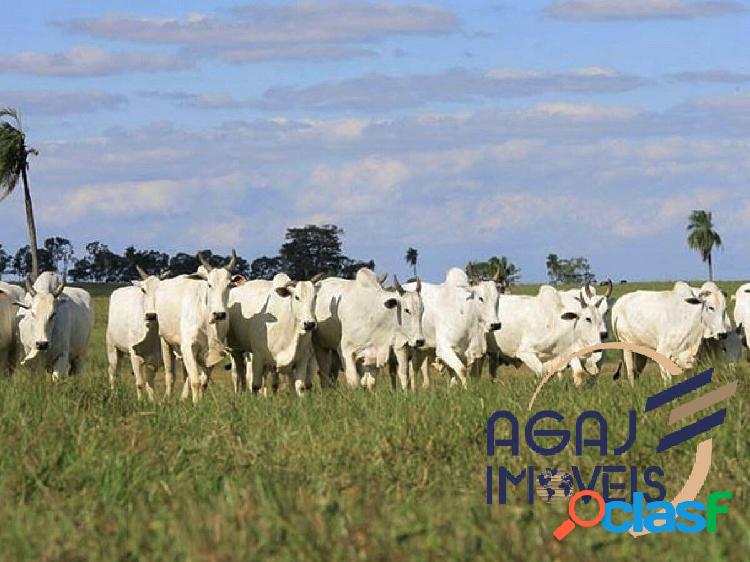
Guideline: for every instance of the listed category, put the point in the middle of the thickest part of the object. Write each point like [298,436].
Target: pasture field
[91,474]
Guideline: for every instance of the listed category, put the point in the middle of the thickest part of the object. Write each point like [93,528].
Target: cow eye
[711,308]
[481,299]
[588,320]
[296,297]
[407,311]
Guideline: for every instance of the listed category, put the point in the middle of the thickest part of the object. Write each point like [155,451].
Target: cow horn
[232,262]
[203,262]
[164,275]
[141,272]
[581,300]
[608,283]
[57,292]
[587,288]
[30,286]
[317,277]
[397,285]
[418,288]
[381,278]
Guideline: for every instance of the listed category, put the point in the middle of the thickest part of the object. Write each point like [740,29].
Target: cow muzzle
[218,317]
[419,342]
[42,345]
[495,326]
[150,316]
[309,326]
[604,335]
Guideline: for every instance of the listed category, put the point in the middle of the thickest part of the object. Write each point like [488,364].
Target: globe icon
[552,485]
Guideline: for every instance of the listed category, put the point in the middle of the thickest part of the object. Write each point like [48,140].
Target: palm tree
[411,258]
[14,165]
[702,237]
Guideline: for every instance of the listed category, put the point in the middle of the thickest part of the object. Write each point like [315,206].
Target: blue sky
[465,129]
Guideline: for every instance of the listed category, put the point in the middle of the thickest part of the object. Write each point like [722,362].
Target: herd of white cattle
[359,326]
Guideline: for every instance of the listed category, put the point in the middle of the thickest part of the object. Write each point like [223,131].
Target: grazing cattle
[10,295]
[133,329]
[540,330]
[55,325]
[362,324]
[571,298]
[274,321]
[458,315]
[193,322]
[672,323]
[742,311]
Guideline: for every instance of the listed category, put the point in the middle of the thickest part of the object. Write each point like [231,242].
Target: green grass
[90,474]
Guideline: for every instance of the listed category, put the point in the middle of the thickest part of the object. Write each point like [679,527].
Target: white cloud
[306,30]
[88,61]
[604,10]
[713,75]
[60,103]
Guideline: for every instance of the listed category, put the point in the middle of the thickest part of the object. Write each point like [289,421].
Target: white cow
[742,311]
[540,330]
[361,325]
[193,323]
[672,323]
[458,316]
[55,325]
[10,295]
[274,321]
[133,329]
[588,295]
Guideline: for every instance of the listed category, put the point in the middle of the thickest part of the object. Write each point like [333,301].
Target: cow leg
[419,363]
[256,380]
[193,372]
[350,368]
[627,357]
[449,357]
[61,367]
[239,372]
[169,367]
[494,362]
[113,361]
[402,368]
[150,371]
[532,362]
[136,363]
[300,377]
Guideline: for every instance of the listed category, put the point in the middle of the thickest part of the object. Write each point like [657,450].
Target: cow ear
[238,280]
[20,304]
[390,303]
[693,300]
[283,292]
[738,329]
[196,277]
[569,316]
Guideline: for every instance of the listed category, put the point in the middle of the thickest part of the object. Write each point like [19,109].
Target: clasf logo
[654,517]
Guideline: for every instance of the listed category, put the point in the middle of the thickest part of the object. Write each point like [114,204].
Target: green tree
[411,258]
[14,166]
[501,267]
[4,261]
[60,250]
[702,237]
[553,268]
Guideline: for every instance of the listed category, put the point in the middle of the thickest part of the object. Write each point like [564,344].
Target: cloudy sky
[464,129]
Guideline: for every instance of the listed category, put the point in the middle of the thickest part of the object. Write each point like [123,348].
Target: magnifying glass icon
[569,524]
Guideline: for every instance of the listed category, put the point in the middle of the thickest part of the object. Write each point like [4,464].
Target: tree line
[305,252]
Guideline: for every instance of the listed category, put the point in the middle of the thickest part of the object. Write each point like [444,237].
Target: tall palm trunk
[414,267]
[710,268]
[30,223]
